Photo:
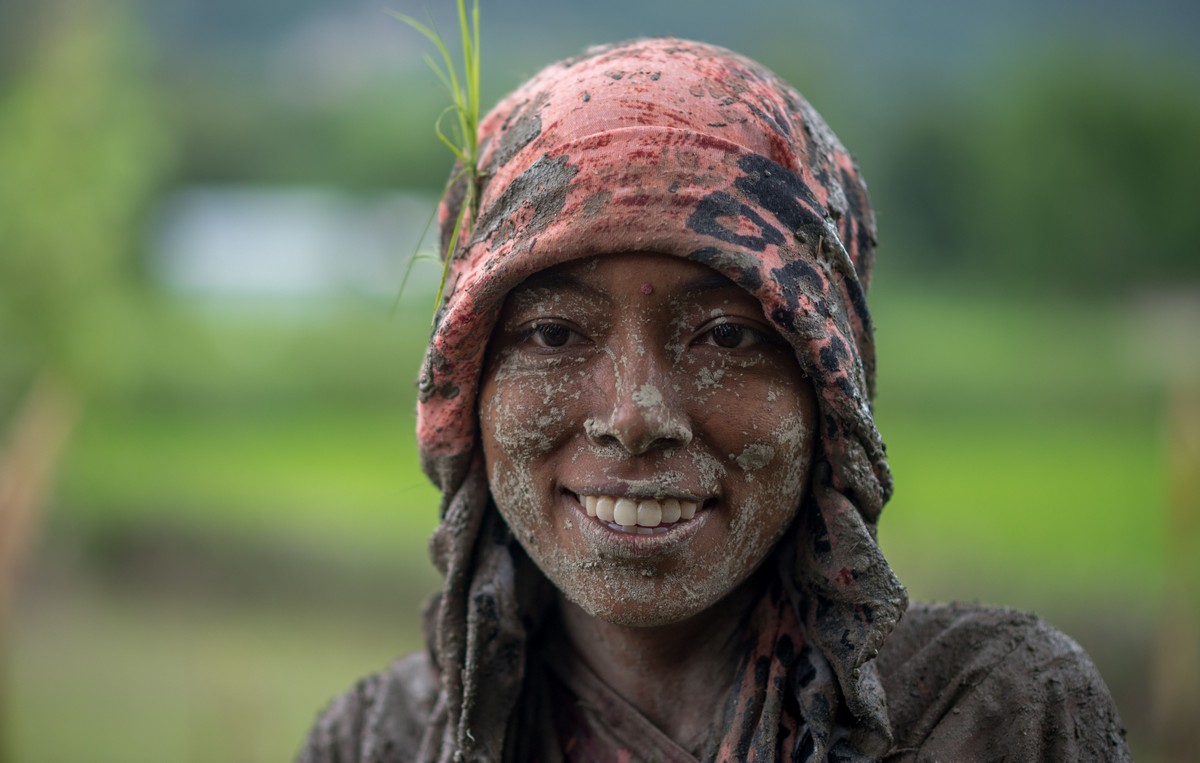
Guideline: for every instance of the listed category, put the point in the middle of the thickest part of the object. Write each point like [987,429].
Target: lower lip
[624,543]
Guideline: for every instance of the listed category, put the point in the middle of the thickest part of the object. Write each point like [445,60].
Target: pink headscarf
[683,149]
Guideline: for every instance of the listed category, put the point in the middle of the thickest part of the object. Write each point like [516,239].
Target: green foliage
[81,149]
[1071,173]
[236,127]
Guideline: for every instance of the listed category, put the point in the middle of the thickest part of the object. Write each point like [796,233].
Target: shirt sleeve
[968,683]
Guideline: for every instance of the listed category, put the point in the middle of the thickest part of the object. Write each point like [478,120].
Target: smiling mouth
[641,516]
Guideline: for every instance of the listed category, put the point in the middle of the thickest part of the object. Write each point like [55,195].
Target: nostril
[681,438]
[638,433]
[598,432]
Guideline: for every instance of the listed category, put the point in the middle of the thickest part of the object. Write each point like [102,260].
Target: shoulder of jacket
[961,676]
[383,713]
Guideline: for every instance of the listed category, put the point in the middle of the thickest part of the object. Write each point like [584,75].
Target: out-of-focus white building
[293,242]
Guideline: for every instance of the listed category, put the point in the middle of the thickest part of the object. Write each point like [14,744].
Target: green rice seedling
[462,136]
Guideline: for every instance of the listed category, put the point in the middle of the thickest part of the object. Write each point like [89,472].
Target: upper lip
[624,491]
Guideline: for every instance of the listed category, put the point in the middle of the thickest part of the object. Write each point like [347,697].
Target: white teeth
[625,512]
[670,511]
[649,513]
[604,508]
[630,514]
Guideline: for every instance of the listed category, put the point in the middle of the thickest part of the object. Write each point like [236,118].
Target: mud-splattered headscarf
[683,149]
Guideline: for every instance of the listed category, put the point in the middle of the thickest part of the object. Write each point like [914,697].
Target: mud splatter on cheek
[751,362]
[523,423]
[754,457]
[746,537]
[512,491]
[711,470]
[709,377]
[794,439]
[704,377]
[521,429]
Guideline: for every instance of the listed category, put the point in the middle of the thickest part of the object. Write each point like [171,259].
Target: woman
[647,402]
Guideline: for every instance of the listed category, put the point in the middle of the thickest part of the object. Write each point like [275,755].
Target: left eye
[732,336]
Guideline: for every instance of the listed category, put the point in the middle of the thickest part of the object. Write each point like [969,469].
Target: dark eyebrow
[709,282]
[554,280]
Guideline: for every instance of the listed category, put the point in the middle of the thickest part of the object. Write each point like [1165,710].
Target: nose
[645,412]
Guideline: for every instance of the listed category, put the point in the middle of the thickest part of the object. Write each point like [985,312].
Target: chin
[637,599]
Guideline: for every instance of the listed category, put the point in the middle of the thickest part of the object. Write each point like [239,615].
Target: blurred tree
[80,151]
[241,126]
[80,148]
[1100,166]
[1074,172]
[17,30]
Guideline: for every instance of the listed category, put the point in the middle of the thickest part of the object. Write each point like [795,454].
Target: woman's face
[647,435]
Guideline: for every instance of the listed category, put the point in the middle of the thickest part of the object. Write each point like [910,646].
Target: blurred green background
[211,514]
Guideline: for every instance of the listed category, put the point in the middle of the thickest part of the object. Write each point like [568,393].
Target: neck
[654,667]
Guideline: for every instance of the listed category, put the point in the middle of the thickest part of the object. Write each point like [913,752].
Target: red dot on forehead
[647,288]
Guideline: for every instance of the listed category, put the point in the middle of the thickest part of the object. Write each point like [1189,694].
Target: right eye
[552,335]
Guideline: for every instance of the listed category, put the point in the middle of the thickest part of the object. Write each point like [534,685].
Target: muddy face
[647,434]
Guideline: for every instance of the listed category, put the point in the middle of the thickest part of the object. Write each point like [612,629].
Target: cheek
[765,436]
[521,413]
[794,435]
[760,403]
[777,453]
[525,416]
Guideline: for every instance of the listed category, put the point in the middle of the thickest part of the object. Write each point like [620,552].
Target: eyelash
[543,335]
[744,333]
[539,333]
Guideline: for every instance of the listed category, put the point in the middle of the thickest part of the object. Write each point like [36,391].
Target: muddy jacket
[964,683]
